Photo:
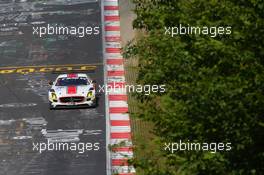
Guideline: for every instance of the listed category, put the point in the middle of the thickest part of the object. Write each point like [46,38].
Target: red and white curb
[117,107]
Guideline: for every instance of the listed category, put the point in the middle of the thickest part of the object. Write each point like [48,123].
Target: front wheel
[51,106]
[94,103]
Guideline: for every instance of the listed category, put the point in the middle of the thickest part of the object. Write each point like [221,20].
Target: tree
[214,85]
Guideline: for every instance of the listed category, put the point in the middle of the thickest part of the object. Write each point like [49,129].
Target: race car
[72,90]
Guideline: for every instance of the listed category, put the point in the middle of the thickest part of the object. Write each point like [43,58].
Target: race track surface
[24,114]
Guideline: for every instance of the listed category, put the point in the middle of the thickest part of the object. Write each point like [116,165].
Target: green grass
[144,141]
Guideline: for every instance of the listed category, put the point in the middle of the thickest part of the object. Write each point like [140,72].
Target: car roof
[73,75]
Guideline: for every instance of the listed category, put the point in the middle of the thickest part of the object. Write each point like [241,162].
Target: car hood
[65,91]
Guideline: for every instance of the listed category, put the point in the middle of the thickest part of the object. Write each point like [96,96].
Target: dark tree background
[214,86]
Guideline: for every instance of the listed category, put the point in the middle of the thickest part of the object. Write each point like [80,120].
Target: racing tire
[51,107]
[94,103]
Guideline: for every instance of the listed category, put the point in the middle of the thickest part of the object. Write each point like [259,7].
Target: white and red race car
[72,90]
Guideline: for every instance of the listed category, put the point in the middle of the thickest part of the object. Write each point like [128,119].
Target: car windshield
[72,81]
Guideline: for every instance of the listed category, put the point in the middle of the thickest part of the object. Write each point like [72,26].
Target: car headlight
[90,94]
[53,96]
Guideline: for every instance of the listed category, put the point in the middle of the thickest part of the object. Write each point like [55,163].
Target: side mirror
[50,83]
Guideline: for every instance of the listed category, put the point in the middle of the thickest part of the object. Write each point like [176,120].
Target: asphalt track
[24,114]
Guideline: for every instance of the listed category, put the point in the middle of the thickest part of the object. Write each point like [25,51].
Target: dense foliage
[214,85]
